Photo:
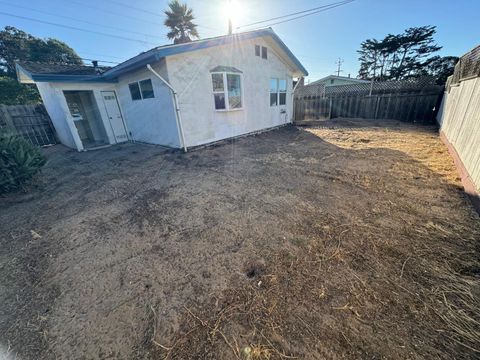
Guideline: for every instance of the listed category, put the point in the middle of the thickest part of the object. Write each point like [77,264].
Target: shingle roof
[61,69]
[38,71]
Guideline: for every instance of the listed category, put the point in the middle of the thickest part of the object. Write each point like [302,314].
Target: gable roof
[156,54]
[30,71]
[160,52]
[353,80]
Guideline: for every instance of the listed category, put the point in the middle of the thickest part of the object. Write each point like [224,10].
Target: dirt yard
[353,240]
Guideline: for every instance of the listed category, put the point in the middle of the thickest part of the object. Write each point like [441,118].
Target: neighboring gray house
[334,80]
[175,95]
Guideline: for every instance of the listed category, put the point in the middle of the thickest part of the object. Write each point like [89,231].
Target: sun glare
[232,9]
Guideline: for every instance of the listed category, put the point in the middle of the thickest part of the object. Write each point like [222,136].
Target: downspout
[177,109]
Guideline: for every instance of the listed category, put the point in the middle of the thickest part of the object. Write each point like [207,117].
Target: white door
[114,116]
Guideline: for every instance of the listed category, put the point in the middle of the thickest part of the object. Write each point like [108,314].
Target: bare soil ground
[351,240]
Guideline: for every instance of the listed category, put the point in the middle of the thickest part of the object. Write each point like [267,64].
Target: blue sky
[317,40]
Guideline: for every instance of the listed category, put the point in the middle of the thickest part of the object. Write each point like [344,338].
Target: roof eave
[302,71]
[23,76]
[132,67]
[71,78]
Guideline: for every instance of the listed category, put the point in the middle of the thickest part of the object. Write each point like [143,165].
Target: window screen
[218,91]
[219,101]
[217,82]
[234,91]
[135,91]
[257,50]
[147,89]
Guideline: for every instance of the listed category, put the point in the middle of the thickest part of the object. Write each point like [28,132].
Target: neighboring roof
[353,80]
[230,69]
[30,71]
[148,57]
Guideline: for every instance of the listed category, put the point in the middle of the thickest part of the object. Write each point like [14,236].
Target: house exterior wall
[56,105]
[149,120]
[190,76]
[51,97]
[336,82]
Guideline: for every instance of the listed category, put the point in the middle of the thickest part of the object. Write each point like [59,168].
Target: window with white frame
[141,90]
[227,90]
[278,92]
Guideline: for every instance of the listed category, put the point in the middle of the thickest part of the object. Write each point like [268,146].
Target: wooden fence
[29,121]
[459,115]
[409,104]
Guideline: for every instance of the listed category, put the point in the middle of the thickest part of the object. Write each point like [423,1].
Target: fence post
[6,117]
[376,107]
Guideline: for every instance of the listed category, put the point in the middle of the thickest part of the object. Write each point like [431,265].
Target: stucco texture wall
[149,120]
[190,75]
[52,100]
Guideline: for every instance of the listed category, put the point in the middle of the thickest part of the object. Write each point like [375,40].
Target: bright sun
[232,9]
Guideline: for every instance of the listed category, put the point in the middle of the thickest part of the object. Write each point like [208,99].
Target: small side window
[332,81]
[135,91]
[147,89]
[257,50]
[264,52]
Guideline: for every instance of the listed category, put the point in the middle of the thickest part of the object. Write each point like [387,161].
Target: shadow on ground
[137,252]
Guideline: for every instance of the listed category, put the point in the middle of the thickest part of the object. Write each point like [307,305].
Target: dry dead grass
[400,280]
[349,242]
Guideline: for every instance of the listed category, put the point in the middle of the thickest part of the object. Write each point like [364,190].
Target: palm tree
[180,21]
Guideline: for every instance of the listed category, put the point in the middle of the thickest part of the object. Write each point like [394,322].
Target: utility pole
[339,63]
[230,28]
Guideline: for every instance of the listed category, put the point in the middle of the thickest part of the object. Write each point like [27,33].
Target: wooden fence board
[29,121]
[417,106]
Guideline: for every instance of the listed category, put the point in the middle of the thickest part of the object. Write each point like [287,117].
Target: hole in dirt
[251,273]
[254,269]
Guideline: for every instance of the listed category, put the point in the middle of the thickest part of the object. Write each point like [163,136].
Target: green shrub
[19,161]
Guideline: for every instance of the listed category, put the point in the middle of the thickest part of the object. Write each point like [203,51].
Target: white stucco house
[179,96]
